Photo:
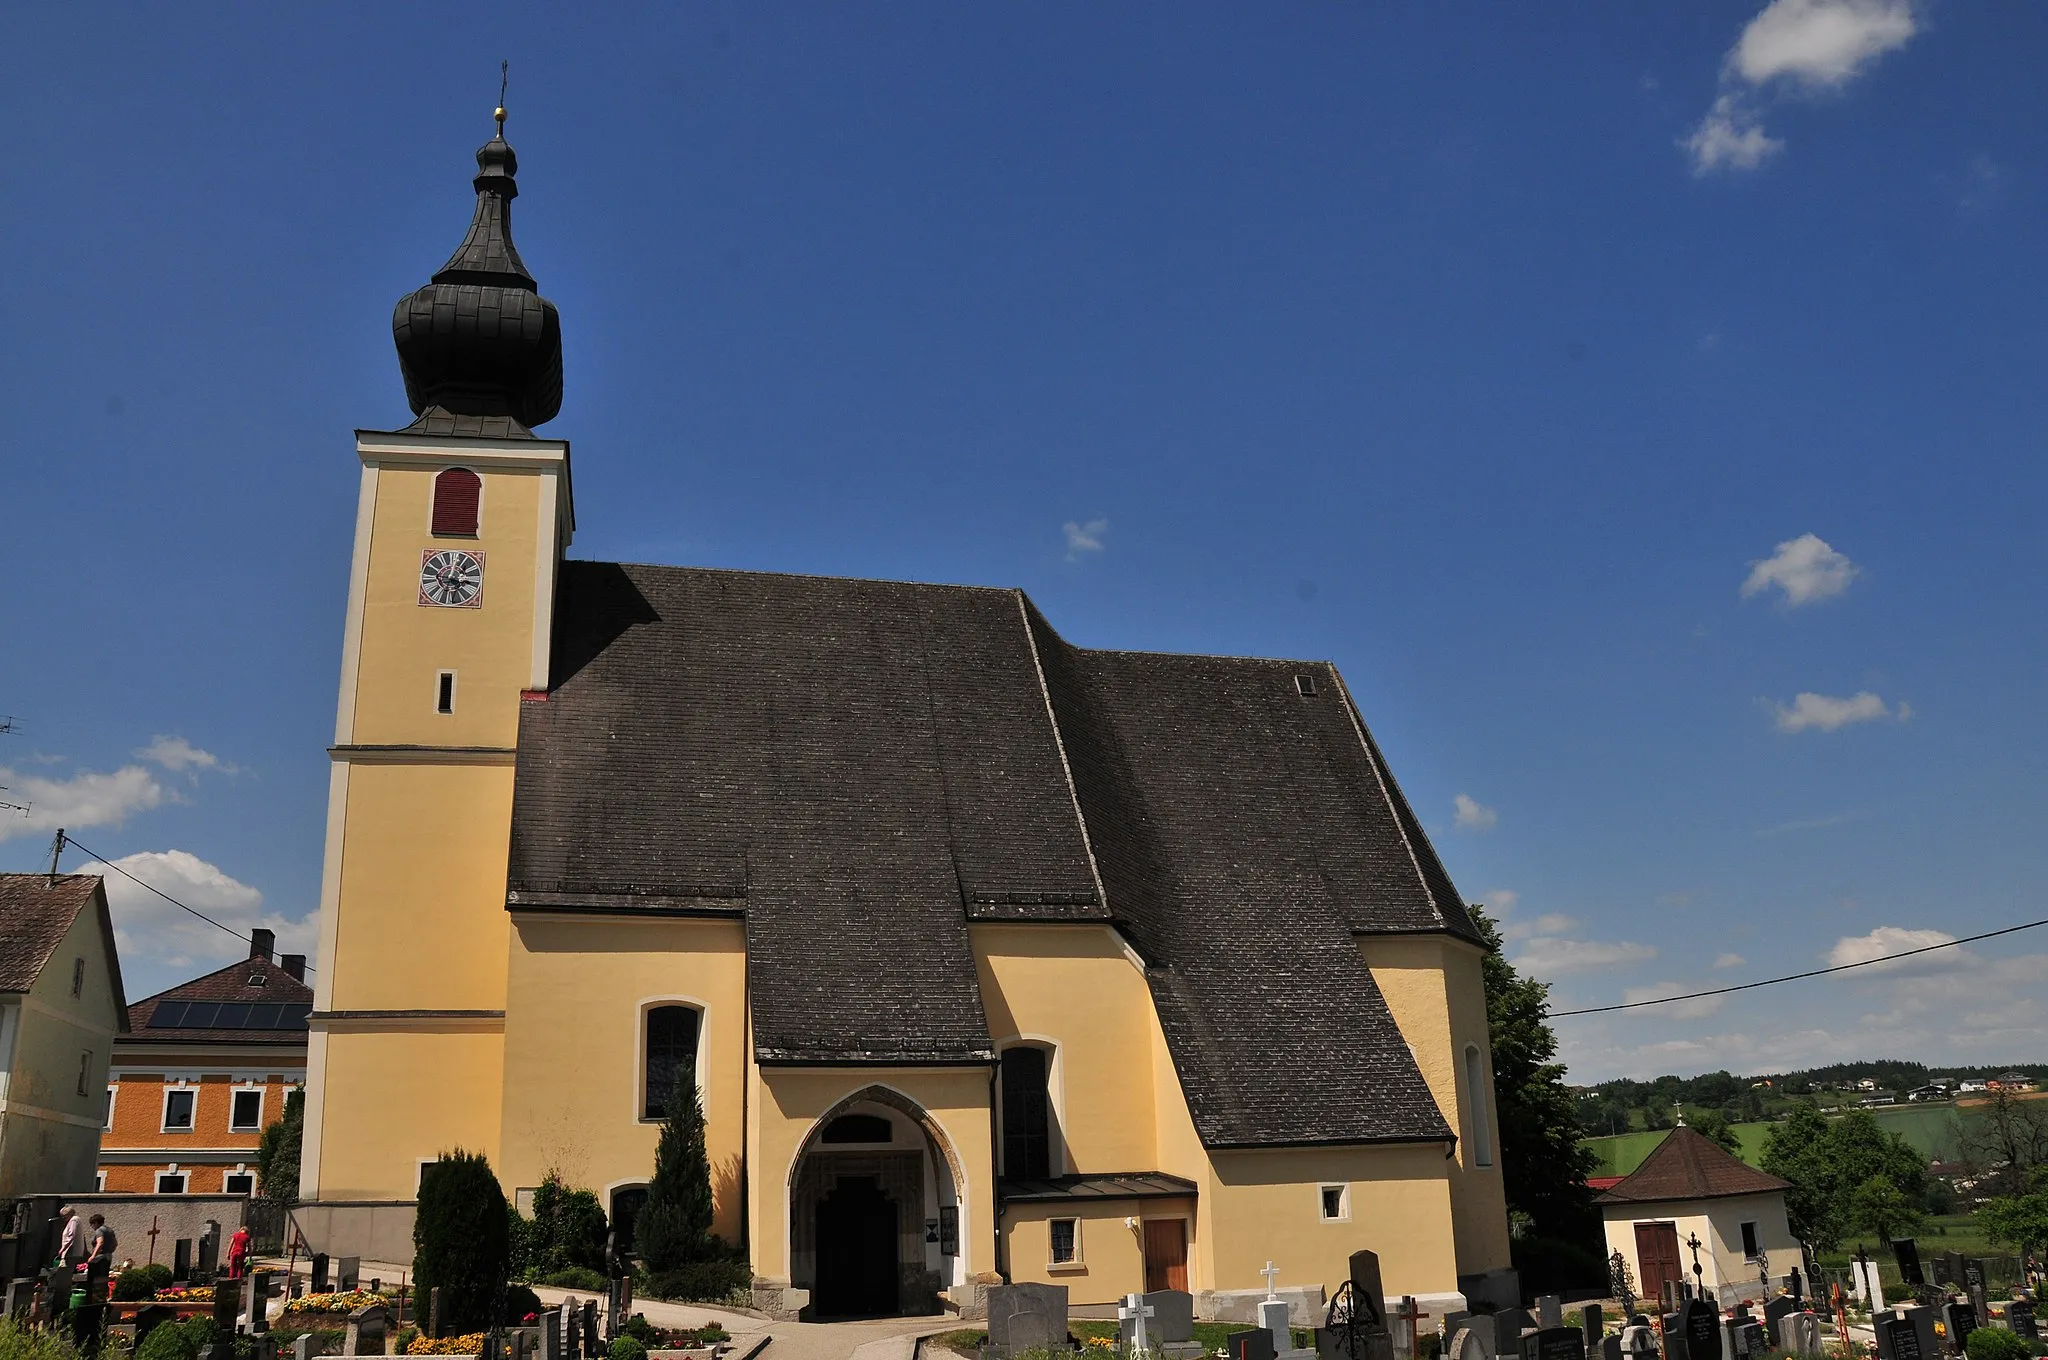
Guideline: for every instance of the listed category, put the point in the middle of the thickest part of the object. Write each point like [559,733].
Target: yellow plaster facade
[443,1020]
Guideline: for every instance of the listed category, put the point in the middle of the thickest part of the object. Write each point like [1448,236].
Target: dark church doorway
[857,1237]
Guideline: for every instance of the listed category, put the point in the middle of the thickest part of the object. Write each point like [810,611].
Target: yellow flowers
[346,1301]
[471,1343]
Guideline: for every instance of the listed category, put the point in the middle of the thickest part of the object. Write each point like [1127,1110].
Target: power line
[64,839]
[1794,977]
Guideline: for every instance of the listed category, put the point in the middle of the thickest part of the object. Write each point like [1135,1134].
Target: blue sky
[1643,405]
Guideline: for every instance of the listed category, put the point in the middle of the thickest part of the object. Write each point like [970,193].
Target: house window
[238,1183]
[1066,1241]
[671,1056]
[1027,1114]
[78,977]
[178,1102]
[444,692]
[84,1069]
[1479,1128]
[457,494]
[246,1114]
[172,1182]
[99,1180]
[111,1091]
[1749,1242]
[1336,1202]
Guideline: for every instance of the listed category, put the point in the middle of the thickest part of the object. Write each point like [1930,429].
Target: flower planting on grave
[141,1282]
[197,1293]
[470,1343]
[344,1303]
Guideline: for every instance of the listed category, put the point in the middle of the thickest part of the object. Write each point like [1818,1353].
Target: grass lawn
[1930,1128]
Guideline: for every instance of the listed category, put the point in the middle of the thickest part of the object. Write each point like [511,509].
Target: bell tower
[461,521]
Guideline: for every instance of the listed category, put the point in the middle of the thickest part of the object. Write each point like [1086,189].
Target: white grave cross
[1272,1273]
[1134,1311]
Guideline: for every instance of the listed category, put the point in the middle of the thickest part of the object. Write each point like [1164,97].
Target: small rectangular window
[1336,1203]
[84,1066]
[239,1183]
[1749,1241]
[110,1107]
[444,692]
[246,1114]
[78,977]
[178,1109]
[1066,1241]
[1305,686]
[171,1182]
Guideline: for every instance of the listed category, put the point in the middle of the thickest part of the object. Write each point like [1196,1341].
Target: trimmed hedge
[461,1242]
[1996,1343]
[141,1282]
[700,1281]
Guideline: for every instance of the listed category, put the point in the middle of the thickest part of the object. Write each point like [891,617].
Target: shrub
[574,1277]
[626,1348]
[641,1330]
[674,1227]
[567,1230]
[277,1155]
[460,1239]
[1901,1293]
[141,1282]
[182,1340]
[1995,1343]
[28,1343]
[700,1281]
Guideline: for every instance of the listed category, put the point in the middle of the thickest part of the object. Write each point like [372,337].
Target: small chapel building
[989,956]
[1694,1203]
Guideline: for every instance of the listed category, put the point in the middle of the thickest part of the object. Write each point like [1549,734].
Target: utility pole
[56,850]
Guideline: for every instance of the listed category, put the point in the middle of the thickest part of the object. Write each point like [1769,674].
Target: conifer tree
[674,1226]
[277,1155]
[462,1241]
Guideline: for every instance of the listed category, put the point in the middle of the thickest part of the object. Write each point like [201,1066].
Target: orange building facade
[205,1067]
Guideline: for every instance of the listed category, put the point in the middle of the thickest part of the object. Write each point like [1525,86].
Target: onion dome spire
[480,348]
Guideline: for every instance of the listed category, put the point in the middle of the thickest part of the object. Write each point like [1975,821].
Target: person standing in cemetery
[103,1243]
[238,1252]
[67,1245]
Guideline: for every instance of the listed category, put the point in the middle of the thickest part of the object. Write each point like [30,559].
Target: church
[991,958]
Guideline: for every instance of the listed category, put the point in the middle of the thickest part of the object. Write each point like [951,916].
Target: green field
[1926,1127]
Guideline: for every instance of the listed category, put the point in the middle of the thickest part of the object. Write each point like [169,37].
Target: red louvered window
[456,494]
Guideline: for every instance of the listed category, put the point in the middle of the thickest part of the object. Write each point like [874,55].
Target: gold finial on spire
[504,74]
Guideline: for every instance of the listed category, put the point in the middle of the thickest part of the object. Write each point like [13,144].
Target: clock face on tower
[451,578]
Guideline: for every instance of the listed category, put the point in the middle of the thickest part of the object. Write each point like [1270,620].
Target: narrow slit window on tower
[458,493]
[444,692]
[1305,686]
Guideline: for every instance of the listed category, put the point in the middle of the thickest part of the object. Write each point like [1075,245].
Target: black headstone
[2019,1315]
[1593,1322]
[1907,1253]
[1942,1277]
[1777,1307]
[1366,1292]
[1558,1343]
[1897,1338]
[1955,1267]
[1701,1328]
[181,1260]
[1960,1317]
[227,1305]
[319,1272]
[1252,1345]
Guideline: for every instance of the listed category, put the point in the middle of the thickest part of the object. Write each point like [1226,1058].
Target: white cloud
[1550,923]
[177,754]
[1828,713]
[1805,568]
[1474,815]
[1888,940]
[1730,137]
[1820,42]
[160,945]
[87,799]
[1501,900]
[1810,44]
[1677,1010]
[1729,960]
[1085,538]
[1550,956]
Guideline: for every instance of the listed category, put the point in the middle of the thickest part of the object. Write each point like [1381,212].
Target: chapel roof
[1689,1165]
[858,770]
[36,912]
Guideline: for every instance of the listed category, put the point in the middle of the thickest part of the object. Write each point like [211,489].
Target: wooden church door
[1166,1254]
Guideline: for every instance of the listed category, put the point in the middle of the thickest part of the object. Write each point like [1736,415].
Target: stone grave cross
[1134,1311]
[1272,1274]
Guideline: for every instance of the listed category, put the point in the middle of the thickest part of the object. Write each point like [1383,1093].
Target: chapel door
[1166,1254]
[1657,1258]
[857,1250]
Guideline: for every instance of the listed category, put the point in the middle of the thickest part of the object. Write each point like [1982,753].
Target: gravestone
[1776,1309]
[1922,1318]
[1557,1343]
[369,1331]
[1974,1285]
[2019,1315]
[1938,1267]
[302,1346]
[1024,1317]
[1955,1268]
[1638,1338]
[1273,1317]
[1172,1324]
[1907,1253]
[181,1260]
[1256,1344]
[591,1344]
[1549,1311]
[1795,1284]
[1509,1325]
[1750,1342]
[1897,1338]
[1466,1343]
[1673,1295]
[348,1272]
[256,1301]
[1593,1322]
[227,1306]
[1700,1325]
[319,1272]
[208,1262]
[550,1336]
[1960,1317]
[1799,1333]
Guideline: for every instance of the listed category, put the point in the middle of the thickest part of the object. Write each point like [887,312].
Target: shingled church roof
[859,769]
[1688,1165]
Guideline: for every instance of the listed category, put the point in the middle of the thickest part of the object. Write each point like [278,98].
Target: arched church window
[856,1128]
[458,493]
[1479,1127]
[1027,1114]
[671,1056]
